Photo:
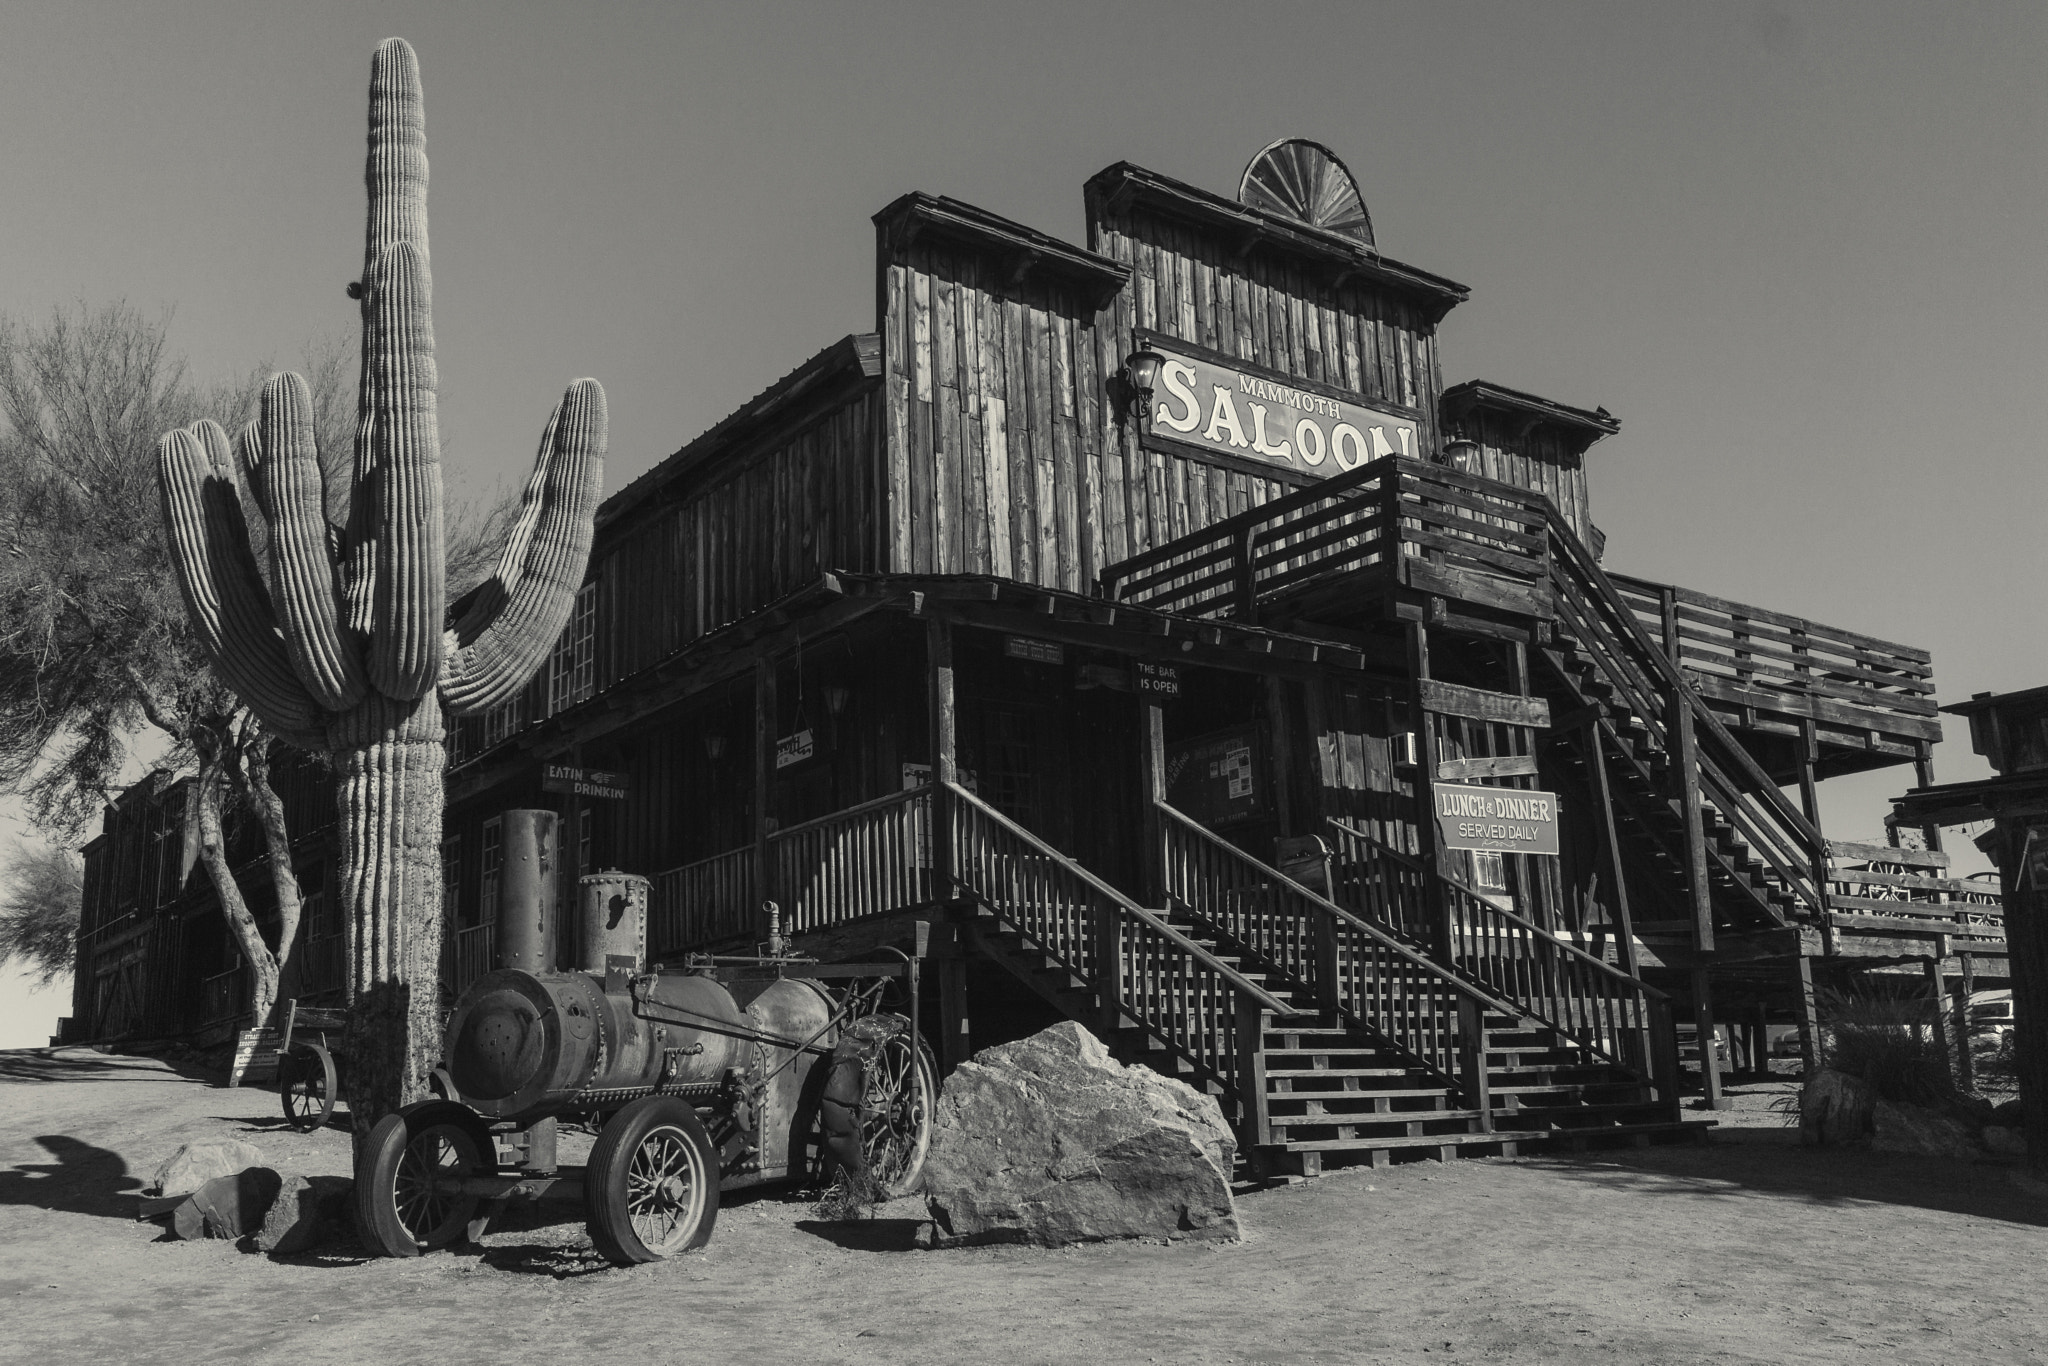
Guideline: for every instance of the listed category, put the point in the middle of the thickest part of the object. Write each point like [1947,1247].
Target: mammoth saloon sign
[1218,406]
[1503,819]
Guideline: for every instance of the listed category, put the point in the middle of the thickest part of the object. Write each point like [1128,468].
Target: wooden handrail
[1515,918]
[1124,905]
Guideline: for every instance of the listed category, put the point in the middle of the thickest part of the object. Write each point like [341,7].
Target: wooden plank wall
[996,460]
[1265,309]
[755,530]
[1541,460]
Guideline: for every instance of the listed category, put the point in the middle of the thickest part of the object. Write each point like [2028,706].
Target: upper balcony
[1401,538]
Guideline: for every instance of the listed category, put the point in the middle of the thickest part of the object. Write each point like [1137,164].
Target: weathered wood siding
[996,454]
[1263,308]
[1541,460]
[755,527]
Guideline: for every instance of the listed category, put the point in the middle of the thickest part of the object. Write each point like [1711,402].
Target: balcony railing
[473,950]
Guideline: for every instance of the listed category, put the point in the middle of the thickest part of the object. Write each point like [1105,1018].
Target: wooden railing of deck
[1753,656]
[1381,511]
[702,903]
[1875,889]
[1351,965]
[1141,968]
[862,861]
[474,948]
[1595,1004]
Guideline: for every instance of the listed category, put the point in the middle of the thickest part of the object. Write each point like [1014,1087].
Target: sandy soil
[1749,1250]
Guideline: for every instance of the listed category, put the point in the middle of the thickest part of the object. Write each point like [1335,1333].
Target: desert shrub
[1879,1040]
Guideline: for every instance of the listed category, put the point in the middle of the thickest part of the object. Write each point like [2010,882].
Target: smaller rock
[303,1206]
[1914,1129]
[195,1164]
[2005,1140]
[1835,1111]
[228,1206]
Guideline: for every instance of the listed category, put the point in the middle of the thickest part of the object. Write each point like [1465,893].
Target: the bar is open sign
[1510,820]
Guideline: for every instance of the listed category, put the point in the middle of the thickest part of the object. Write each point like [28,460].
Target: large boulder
[1900,1128]
[302,1207]
[1050,1140]
[228,1206]
[195,1164]
[2005,1140]
[1836,1111]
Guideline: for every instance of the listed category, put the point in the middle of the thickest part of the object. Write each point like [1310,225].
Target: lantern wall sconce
[837,695]
[1131,387]
[714,746]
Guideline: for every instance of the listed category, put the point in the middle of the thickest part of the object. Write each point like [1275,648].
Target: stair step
[1296,1073]
[1390,1141]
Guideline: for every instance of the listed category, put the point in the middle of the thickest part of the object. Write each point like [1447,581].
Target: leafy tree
[39,902]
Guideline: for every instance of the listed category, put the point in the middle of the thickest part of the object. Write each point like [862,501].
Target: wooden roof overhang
[1576,428]
[2012,794]
[1247,229]
[1026,253]
[839,599]
[825,381]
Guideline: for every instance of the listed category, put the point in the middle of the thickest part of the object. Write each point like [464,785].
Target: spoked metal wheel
[408,1194]
[877,1107]
[306,1083]
[651,1189]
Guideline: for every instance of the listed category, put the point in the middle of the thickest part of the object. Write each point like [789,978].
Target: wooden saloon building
[1150,617]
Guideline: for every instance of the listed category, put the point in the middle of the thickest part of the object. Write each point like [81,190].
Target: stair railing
[1612,1015]
[1140,968]
[1352,966]
[1650,684]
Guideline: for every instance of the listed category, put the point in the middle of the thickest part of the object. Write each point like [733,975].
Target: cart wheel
[404,1201]
[651,1189]
[306,1083]
[877,1107]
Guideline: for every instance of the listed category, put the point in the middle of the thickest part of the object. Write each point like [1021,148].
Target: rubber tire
[378,1223]
[313,1065]
[605,1210]
[841,1109]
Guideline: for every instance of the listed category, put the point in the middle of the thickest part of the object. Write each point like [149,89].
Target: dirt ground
[1748,1250]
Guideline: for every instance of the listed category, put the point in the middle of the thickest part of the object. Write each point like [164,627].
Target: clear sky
[1796,248]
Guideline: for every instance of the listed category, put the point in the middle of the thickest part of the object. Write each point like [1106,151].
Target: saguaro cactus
[348,649]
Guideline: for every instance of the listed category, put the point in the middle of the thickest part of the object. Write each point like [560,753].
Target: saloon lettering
[1229,410]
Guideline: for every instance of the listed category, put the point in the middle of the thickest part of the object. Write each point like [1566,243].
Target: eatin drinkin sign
[1234,411]
[1507,819]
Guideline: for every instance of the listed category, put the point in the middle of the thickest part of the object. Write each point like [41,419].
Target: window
[572,670]
[585,842]
[491,870]
[500,722]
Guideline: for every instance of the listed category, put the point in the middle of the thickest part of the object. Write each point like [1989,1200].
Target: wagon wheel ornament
[877,1106]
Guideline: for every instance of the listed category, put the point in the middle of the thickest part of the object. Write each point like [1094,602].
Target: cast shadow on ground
[866,1235]
[1822,1176]
[83,1180]
[541,1259]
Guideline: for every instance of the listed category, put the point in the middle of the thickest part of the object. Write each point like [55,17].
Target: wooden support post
[1257,1128]
[956,1037]
[1610,845]
[1685,774]
[1472,1060]
[1663,1053]
[1283,753]
[1809,805]
[1760,1043]
[1966,1058]
[1808,1019]
[1938,1003]
[938,635]
[1152,791]
[765,721]
[1425,794]
[1923,776]
[1246,577]
[1703,1023]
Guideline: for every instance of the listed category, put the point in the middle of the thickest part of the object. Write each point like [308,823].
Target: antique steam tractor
[724,1073]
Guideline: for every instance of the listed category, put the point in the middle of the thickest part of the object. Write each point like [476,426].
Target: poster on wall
[1208,401]
[1218,778]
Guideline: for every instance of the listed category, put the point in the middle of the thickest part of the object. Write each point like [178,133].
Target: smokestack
[526,914]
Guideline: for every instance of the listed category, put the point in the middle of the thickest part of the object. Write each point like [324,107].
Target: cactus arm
[209,549]
[507,633]
[411,573]
[284,465]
